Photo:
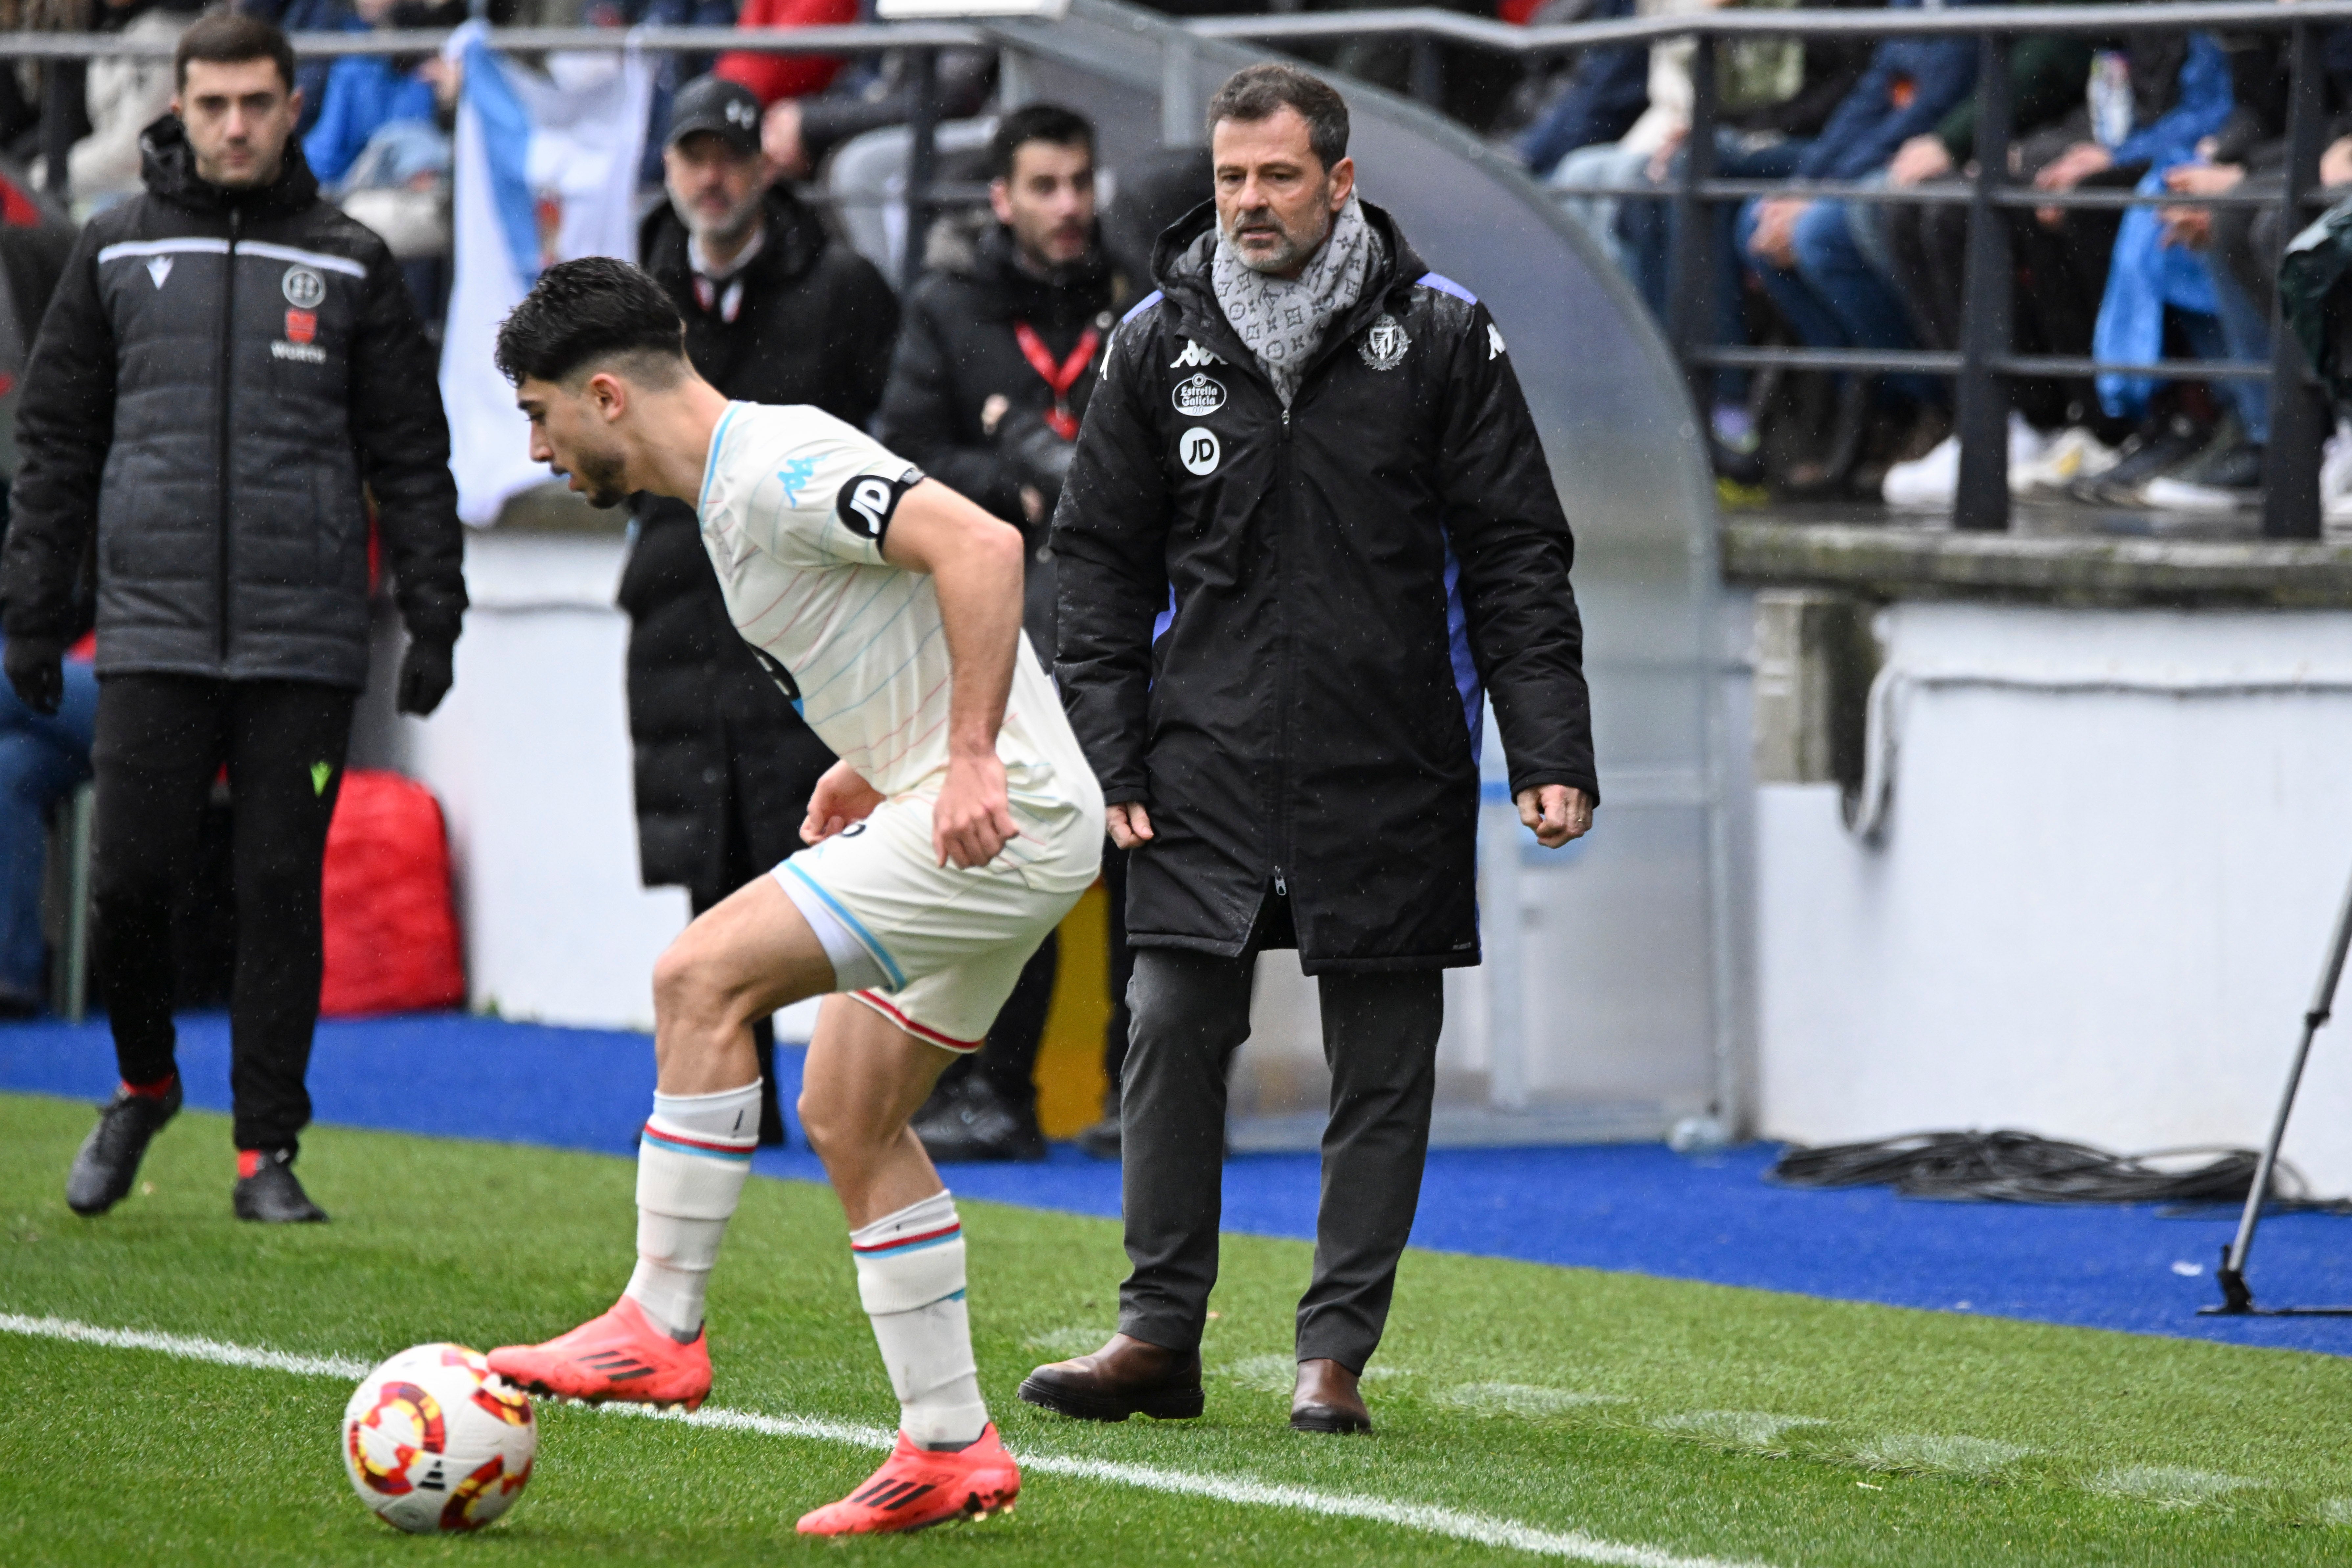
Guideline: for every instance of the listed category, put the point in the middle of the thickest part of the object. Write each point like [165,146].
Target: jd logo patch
[1197,395]
[1385,344]
[867,502]
[1197,448]
[303,288]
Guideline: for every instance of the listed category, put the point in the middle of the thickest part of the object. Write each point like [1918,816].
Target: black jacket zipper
[227,380]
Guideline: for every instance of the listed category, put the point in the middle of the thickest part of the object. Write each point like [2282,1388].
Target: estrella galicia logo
[867,502]
[303,288]
[1197,397]
[1385,344]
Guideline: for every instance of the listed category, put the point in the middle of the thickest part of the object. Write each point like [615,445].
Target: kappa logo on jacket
[1195,355]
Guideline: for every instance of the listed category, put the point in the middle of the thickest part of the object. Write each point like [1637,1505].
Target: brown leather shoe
[1125,1377]
[1326,1400]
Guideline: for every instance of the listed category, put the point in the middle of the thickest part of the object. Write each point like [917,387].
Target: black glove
[426,671]
[1039,456]
[37,668]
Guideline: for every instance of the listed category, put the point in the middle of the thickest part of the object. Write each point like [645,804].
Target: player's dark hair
[1260,92]
[1037,122]
[226,38]
[589,312]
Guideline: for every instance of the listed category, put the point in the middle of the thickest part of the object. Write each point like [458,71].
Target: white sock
[692,1163]
[910,1279]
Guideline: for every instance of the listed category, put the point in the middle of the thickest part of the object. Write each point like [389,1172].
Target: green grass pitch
[1663,1419]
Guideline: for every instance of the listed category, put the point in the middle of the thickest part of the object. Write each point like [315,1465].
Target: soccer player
[960,826]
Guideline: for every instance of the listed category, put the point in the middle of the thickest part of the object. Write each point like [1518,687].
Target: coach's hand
[426,670]
[972,822]
[37,668]
[1557,812]
[1129,823]
[841,797]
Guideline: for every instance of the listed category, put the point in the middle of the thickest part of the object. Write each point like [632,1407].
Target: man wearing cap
[775,312]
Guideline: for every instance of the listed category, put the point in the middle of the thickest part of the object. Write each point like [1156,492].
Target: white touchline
[1481,1530]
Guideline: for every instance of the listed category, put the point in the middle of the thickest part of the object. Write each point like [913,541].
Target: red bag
[391,931]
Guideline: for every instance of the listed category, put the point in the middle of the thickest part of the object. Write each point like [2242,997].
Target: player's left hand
[972,822]
[841,797]
[1557,812]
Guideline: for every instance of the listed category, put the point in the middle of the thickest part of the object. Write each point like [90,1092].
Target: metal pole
[1428,75]
[922,163]
[1690,304]
[2298,414]
[61,84]
[2235,1297]
[1988,283]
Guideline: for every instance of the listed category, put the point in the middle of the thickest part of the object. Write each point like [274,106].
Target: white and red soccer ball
[435,1442]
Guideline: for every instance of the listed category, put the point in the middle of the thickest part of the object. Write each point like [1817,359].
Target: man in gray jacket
[227,362]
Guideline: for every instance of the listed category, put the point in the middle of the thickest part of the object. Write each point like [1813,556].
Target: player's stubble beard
[600,474]
[1291,253]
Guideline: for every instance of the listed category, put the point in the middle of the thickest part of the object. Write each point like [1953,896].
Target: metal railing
[1986,355]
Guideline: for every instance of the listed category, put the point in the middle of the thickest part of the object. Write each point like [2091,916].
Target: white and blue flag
[546,171]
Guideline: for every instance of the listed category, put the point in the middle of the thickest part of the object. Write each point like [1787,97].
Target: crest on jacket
[1385,343]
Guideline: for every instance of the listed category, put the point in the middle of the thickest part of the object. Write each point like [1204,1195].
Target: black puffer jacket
[218,374]
[1275,626]
[814,325]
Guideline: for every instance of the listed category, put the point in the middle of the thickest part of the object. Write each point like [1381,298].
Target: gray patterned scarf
[1283,319]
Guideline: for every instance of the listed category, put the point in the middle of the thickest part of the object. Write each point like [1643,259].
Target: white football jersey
[794,507]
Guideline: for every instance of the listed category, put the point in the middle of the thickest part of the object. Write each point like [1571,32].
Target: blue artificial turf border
[1634,1208]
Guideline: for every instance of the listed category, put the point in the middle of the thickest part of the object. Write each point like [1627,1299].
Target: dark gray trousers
[1380,1036]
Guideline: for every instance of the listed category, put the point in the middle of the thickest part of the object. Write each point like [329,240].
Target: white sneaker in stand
[1930,482]
[2070,454]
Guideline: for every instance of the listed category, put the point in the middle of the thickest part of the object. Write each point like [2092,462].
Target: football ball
[434,1441]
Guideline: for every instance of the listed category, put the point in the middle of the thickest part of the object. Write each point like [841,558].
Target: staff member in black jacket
[775,312]
[227,362]
[989,383]
[1309,522]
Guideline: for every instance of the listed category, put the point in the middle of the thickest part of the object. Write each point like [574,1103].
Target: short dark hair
[229,38]
[1037,122]
[589,312]
[1260,92]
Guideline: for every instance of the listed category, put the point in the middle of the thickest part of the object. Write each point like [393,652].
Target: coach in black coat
[1289,568]
[723,764]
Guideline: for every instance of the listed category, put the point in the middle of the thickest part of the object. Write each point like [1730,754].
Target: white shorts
[947,943]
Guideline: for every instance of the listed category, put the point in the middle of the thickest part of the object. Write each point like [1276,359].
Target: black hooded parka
[1275,625]
[218,376]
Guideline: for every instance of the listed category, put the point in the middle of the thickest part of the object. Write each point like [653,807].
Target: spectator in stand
[776,77]
[1606,90]
[776,311]
[1771,99]
[229,304]
[2237,248]
[800,131]
[123,94]
[364,94]
[2148,107]
[990,379]
[1824,262]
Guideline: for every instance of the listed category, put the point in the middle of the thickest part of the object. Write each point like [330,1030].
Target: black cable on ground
[2022,1168]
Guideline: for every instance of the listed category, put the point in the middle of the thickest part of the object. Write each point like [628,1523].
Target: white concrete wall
[2115,848]
[530,756]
